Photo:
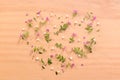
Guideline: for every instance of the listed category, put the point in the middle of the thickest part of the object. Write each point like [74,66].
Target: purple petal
[51,56]
[94,18]
[47,19]
[75,11]
[69,23]
[38,12]
[47,30]
[84,37]
[72,65]
[74,35]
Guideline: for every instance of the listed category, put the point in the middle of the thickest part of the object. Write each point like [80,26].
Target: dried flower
[51,56]
[47,19]
[75,12]
[94,18]
[74,34]
[38,13]
[47,30]
[72,65]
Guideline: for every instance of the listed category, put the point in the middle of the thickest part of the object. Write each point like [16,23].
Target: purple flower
[26,14]
[62,65]
[51,56]
[94,18]
[74,34]
[72,65]
[31,46]
[84,37]
[69,23]
[82,64]
[47,19]
[37,34]
[87,42]
[25,21]
[29,20]
[38,12]
[47,30]
[90,24]
[21,34]
[75,11]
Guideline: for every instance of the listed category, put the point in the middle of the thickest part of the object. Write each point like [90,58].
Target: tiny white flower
[82,21]
[58,71]
[98,24]
[52,68]
[55,27]
[37,58]
[70,58]
[23,29]
[76,22]
[51,14]
[44,33]
[53,48]
[63,37]
[67,16]
[79,56]
[36,26]
[37,39]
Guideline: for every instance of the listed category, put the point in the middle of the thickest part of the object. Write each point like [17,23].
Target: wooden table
[15,62]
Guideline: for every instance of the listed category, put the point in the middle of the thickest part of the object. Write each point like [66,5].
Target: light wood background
[15,62]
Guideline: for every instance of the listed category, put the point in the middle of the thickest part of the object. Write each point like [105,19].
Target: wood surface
[15,62]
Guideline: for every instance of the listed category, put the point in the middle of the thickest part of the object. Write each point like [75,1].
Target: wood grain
[15,62]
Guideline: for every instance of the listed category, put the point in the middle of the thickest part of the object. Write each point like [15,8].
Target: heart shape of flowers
[56,40]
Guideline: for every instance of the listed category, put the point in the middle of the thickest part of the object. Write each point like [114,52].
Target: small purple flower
[37,34]
[87,42]
[72,65]
[69,23]
[82,64]
[84,43]
[74,34]
[90,24]
[25,21]
[29,20]
[84,37]
[21,34]
[75,11]
[51,56]
[94,18]
[31,46]
[26,14]
[47,30]
[62,65]
[38,13]
[47,19]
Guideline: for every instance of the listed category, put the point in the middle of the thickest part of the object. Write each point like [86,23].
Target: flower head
[75,11]
[72,65]
[29,20]
[74,34]
[69,23]
[38,13]
[47,19]
[47,30]
[51,56]
[94,18]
